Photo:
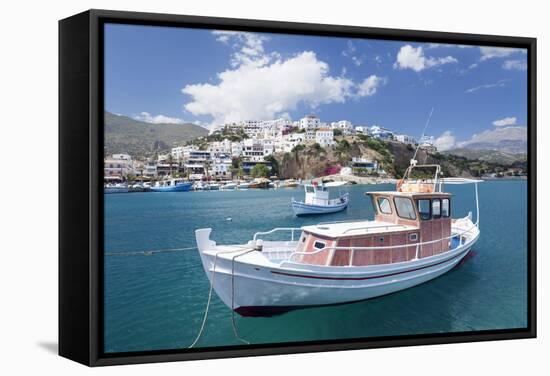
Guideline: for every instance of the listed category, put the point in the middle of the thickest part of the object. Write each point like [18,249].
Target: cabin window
[404,207]
[303,239]
[309,189]
[424,209]
[413,237]
[319,245]
[384,205]
[445,208]
[436,208]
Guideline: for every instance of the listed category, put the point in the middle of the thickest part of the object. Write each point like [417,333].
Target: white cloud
[158,119]
[409,57]
[262,92]
[350,52]
[499,83]
[249,47]
[495,52]
[520,65]
[370,85]
[262,85]
[445,142]
[505,122]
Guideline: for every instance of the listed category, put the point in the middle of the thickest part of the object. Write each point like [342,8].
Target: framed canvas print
[239,187]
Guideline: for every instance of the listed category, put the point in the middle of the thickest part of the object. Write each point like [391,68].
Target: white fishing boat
[229,186]
[411,240]
[116,188]
[317,200]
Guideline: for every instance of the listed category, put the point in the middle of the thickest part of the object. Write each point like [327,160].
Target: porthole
[413,237]
[381,239]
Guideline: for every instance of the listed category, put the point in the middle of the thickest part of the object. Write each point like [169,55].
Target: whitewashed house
[310,122]
[324,137]
[344,126]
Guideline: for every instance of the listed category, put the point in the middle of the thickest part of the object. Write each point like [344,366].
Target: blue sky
[162,74]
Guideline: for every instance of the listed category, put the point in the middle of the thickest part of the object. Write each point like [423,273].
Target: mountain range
[507,139]
[137,138]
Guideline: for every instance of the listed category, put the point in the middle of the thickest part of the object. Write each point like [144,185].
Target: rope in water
[148,253]
[207,309]
[205,316]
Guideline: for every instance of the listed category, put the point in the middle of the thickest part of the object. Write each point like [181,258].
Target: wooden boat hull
[248,284]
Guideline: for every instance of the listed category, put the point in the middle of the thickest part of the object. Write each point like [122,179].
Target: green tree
[337,132]
[274,164]
[259,171]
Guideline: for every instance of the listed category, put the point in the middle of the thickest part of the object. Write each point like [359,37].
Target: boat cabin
[319,194]
[401,218]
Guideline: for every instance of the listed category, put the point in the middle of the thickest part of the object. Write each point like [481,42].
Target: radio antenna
[423,134]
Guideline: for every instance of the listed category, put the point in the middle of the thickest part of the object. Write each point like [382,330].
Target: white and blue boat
[171,185]
[318,201]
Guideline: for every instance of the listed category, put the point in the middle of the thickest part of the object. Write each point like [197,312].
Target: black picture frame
[81,210]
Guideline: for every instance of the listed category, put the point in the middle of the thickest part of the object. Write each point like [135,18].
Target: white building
[381,133]
[405,139]
[310,134]
[324,137]
[220,147]
[310,122]
[182,152]
[119,165]
[290,141]
[221,169]
[427,143]
[344,126]
[253,150]
[236,149]
[362,130]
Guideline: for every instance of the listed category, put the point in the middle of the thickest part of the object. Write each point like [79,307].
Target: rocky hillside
[137,138]
[306,162]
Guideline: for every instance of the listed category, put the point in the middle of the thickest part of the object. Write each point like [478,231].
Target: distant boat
[229,186]
[116,188]
[318,201]
[290,183]
[261,183]
[243,185]
[172,185]
[213,187]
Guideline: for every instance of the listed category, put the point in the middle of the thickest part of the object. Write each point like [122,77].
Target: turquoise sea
[157,302]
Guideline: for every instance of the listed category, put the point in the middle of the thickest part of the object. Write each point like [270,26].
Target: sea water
[157,301]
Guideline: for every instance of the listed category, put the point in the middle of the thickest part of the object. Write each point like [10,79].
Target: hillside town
[234,150]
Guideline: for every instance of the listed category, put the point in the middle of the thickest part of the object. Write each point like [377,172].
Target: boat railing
[418,246]
[278,229]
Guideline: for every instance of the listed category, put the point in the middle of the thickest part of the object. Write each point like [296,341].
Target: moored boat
[317,200]
[411,240]
[229,186]
[260,183]
[115,188]
[171,185]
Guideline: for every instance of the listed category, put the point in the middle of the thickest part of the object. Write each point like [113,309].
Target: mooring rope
[205,316]
[148,253]
[235,331]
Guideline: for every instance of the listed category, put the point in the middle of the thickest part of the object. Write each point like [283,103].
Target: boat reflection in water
[411,240]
